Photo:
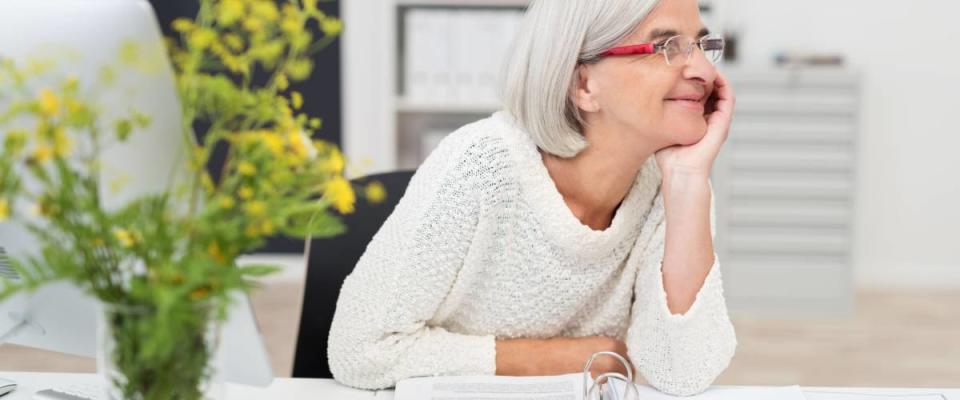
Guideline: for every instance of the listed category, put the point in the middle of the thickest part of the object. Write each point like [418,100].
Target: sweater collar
[558,221]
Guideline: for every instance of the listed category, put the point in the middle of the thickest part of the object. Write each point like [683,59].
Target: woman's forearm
[688,248]
[556,356]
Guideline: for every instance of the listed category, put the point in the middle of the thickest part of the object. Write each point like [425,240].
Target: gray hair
[555,36]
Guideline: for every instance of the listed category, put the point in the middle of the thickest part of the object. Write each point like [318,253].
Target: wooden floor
[901,339]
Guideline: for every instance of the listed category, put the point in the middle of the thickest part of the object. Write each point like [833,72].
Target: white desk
[292,389]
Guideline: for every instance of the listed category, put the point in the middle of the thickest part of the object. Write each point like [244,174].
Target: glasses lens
[712,48]
[677,50]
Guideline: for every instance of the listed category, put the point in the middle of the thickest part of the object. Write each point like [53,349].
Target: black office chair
[331,260]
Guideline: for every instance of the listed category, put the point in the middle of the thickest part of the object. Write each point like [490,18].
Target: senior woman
[577,220]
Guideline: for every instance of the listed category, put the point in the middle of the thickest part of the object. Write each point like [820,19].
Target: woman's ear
[581,92]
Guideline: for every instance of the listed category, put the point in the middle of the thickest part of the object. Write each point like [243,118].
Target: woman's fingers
[724,91]
[718,122]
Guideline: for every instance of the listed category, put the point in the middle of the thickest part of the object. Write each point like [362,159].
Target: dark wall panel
[321,92]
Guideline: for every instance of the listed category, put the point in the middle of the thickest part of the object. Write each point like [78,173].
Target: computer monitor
[82,36]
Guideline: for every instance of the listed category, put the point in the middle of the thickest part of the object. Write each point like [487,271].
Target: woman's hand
[698,158]
[556,356]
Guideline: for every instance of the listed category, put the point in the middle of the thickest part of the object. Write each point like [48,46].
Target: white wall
[368,48]
[908,206]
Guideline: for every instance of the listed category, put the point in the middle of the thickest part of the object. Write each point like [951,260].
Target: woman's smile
[694,105]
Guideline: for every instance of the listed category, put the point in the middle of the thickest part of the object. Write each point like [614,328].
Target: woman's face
[640,95]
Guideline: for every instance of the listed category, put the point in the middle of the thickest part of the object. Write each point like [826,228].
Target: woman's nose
[699,67]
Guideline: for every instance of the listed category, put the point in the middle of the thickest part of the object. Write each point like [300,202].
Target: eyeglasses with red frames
[676,50]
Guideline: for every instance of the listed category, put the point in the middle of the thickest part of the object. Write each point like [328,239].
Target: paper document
[827,395]
[563,387]
[718,393]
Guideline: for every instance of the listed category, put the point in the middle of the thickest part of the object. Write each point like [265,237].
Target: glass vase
[145,354]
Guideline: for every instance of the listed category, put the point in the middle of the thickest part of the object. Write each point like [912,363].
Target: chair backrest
[331,260]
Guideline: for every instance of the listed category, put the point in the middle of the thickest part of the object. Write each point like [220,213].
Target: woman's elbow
[358,366]
[691,377]
[682,386]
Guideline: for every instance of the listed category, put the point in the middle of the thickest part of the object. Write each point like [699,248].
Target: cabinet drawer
[788,212]
[787,240]
[816,157]
[790,185]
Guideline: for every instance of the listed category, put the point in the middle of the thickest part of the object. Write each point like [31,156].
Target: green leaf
[256,270]
[124,127]
[320,226]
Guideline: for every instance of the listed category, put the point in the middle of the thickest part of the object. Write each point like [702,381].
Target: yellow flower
[49,103]
[331,26]
[251,231]
[246,168]
[299,145]
[296,99]
[4,210]
[315,123]
[236,65]
[256,208]
[184,24]
[273,142]
[125,237]
[299,69]
[375,192]
[285,110]
[42,153]
[340,194]
[334,163]
[207,183]
[266,226]
[246,192]
[253,25]
[201,38]
[282,82]
[266,10]
[229,12]
[233,41]
[267,52]
[291,24]
[225,202]
[61,143]
[74,107]
[214,251]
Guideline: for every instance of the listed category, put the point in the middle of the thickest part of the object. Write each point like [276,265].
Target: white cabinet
[385,128]
[785,185]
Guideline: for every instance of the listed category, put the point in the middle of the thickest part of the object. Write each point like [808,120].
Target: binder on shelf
[456,55]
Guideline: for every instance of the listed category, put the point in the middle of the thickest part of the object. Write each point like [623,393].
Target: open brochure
[562,387]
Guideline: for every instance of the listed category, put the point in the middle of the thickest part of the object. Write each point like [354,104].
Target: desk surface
[293,388]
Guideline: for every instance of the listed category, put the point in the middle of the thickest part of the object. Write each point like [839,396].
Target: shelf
[420,107]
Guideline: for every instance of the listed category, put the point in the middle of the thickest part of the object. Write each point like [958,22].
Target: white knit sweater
[482,246]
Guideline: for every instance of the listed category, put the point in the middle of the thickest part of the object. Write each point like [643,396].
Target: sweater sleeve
[678,354]
[381,331]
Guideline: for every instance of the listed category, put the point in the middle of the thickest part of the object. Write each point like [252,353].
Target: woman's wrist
[681,183]
[554,356]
